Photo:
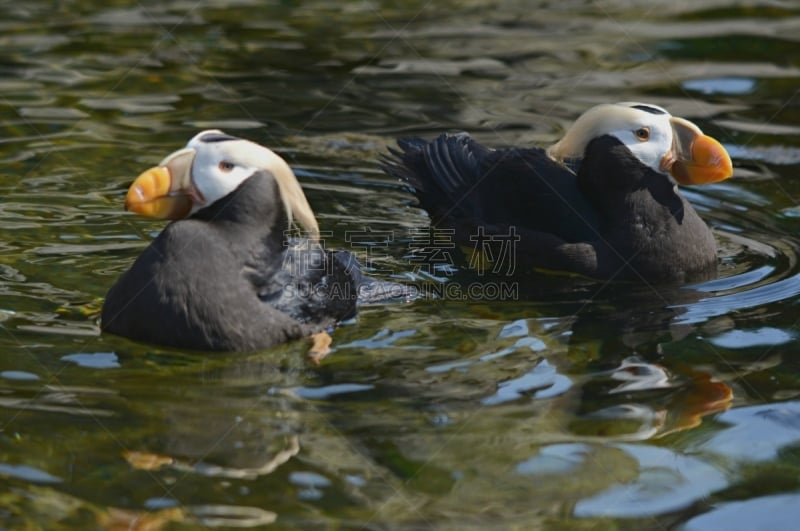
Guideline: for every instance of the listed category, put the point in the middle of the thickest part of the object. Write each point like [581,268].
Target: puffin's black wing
[370,289]
[320,286]
[311,285]
[463,184]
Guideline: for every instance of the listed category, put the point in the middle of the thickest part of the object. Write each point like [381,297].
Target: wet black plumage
[616,218]
[228,278]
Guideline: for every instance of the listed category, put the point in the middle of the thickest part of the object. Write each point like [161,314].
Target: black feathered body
[649,231]
[614,218]
[228,278]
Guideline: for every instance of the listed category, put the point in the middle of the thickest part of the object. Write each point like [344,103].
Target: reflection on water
[769,512]
[579,403]
[757,433]
[667,482]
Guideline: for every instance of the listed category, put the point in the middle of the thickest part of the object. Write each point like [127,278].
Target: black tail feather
[407,163]
[443,173]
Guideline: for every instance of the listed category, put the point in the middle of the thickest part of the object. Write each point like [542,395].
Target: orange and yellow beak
[695,158]
[165,191]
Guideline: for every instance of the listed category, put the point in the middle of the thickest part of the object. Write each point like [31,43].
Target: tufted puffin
[225,274]
[602,202]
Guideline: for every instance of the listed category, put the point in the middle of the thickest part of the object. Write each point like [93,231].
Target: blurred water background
[575,405]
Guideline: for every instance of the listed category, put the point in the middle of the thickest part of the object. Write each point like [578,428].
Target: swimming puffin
[602,202]
[225,275]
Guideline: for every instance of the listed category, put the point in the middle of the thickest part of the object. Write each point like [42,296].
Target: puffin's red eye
[226,166]
[643,134]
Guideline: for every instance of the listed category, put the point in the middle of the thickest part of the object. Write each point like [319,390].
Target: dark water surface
[579,405]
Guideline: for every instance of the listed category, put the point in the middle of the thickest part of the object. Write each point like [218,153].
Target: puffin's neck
[622,188]
[254,210]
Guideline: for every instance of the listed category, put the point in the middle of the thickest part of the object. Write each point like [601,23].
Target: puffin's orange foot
[320,347]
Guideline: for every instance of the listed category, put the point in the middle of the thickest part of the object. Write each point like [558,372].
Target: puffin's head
[211,166]
[663,142]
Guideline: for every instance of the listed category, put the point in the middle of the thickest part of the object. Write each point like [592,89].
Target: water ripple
[667,481]
[440,401]
[27,473]
[707,308]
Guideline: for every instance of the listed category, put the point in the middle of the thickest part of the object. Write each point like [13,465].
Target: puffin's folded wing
[461,183]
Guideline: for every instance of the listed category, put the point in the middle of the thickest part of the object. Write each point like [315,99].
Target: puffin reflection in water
[602,202]
[225,275]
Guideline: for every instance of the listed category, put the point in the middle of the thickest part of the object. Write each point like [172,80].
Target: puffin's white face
[647,133]
[663,142]
[221,163]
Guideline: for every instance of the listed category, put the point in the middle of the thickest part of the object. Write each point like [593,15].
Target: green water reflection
[581,405]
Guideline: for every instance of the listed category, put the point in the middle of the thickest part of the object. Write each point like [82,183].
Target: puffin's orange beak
[164,191]
[695,158]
